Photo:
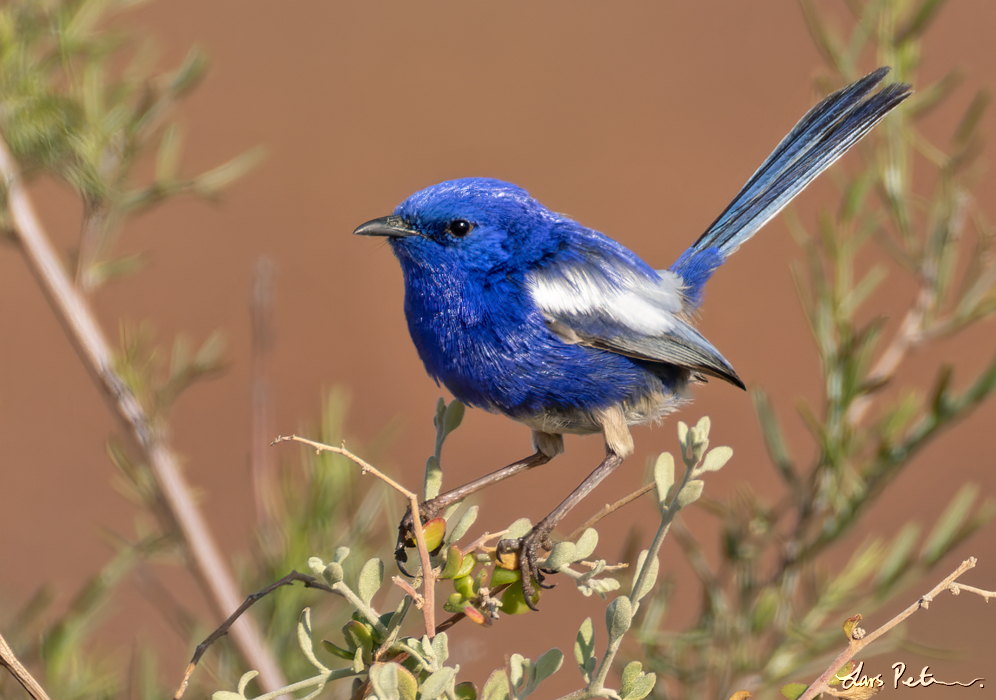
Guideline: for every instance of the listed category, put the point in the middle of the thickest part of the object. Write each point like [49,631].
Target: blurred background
[640,120]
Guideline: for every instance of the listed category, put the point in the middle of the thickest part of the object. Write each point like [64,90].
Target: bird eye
[459,227]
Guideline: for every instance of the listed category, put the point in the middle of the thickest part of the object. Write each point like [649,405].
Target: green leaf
[636,684]
[922,18]
[454,561]
[333,573]
[547,664]
[599,586]
[519,528]
[384,681]
[433,533]
[316,565]
[467,567]
[441,647]
[407,684]
[453,417]
[211,353]
[513,600]
[370,579]
[336,650]
[715,460]
[190,72]
[949,523]
[794,690]
[433,482]
[438,683]
[464,586]
[584,650]
[465,691]
[496,687]
[211,183]
[464,524]
[586,544]
[304,639]
[690,493]
[563,554]
[168,157]
[765,607]
[500,577]
[518,669]
[108,270]
[618,618]
[898,558]
[664,476]
[358,638]
[244,680]
[649,579]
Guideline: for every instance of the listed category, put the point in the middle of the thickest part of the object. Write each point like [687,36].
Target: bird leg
[618,446]
[547,446]
[528,547]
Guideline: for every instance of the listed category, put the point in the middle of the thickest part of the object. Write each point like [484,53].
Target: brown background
[638,119]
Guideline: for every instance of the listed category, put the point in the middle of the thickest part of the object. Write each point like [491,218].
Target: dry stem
[21,674]
[821,684]
[292,577]
[73,311]
[428,577]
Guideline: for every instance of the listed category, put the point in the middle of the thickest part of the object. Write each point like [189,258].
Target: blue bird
[525,312]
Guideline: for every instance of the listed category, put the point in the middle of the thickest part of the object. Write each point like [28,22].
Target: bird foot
[528,550]
[406,531]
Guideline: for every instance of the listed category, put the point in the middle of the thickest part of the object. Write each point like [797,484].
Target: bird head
[470,224]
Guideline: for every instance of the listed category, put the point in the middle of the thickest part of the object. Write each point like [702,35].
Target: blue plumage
[525,312]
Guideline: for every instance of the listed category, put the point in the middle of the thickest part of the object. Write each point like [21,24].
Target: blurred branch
[9,661]
[73,311]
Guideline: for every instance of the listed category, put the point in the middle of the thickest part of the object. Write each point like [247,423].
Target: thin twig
[9,661]
[609,509]
[821,684]
[73,311]
[407,588]
[428,576]
[293,577]
[358,461]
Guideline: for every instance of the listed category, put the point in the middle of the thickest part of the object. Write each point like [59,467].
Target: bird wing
[601,299]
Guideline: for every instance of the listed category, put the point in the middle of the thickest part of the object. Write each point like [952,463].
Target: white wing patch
[631,300]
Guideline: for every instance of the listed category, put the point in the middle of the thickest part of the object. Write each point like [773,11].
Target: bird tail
[814,144]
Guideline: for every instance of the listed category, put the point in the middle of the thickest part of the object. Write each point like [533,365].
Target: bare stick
[73,311]
[609,509]
[292,577]
[859,640]
[428,577]
[21,674]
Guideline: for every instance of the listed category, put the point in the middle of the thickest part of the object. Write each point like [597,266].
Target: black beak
[390,226]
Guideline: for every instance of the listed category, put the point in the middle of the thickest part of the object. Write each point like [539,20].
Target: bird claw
[528,548]
[406,532]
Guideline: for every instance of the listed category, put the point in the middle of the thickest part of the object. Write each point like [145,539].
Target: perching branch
[73,311]
[858,640]
[428,578]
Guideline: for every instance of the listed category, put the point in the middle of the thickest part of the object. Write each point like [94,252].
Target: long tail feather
[812,146]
